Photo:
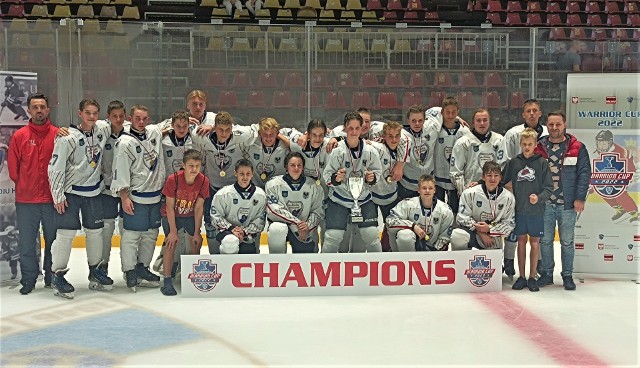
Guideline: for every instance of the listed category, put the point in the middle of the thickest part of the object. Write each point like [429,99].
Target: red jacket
[30,151]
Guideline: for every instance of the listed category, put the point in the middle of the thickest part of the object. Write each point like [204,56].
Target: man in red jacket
[30,151]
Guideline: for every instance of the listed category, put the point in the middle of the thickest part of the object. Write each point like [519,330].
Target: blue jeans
[29,216]
[566,220]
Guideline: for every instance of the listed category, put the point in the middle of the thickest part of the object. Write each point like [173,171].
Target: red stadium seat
[598,34]
[493,79]
[216,79]
[393,79]
[410,16]
[282,99]
[467,79]
[593,7]
[573,7]
[15,10]
[594,20]
[256,99]
[268,80]
[554,19]
[514,19]
[431,16]
[620,34]
[390,16]
[494,18]
[394,5]
[613,20]
[517,100]
[442,79]
[633,20]
[227,99]
[631,7]
[414,5]
[374,5]
[410,99]
[514,6]
[369,80]
[554,7]
[535,19]
[302,102]
[241,80]
[465,99]
[630,64]
[320,80]
[491,100]
[495,6]
[334,100]
[388,100]
[534,6]
[612,7]
[557,33]
[417,80]
[293,80]
[361,99]
[574,20]
[345,80]
[435,99]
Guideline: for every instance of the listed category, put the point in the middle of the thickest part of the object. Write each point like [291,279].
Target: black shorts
[341,216]
[145,217]
[186,223]
[110,206]
[90,208]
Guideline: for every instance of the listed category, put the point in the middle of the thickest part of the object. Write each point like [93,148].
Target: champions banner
[268,275]
[603,112]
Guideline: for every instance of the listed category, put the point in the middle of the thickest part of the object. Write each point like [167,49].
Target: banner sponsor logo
[611,100]
[479,272]
[575,100]
[600,246]
[610,177]
[608,257]
[579,245]
[629,257]
[205,276]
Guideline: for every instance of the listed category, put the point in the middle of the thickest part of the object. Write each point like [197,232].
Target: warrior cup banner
[13,115]
[212,276]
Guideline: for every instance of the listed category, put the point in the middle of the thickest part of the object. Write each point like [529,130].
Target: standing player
[422,223]
[75,177]
[352,158]
[294,208]
[197,107]
[238,213]
[623,204]
[111,205]
[486,213]
[14,98]
[266,154]
[30,151]
[138,178]
[182,212]
[221,151]
[528,175]
[449,134]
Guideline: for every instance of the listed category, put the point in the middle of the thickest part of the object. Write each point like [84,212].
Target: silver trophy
[356,186]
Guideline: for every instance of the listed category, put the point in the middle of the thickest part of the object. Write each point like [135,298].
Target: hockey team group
[439,182]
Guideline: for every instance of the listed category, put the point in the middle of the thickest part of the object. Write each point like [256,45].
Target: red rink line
[559,347]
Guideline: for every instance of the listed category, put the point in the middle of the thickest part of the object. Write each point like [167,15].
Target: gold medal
[317,181]
[263,176]
[92,164]
[222,173]
[389,179]
[426,237]
[152,163]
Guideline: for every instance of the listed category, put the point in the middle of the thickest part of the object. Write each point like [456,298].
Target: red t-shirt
[186,195]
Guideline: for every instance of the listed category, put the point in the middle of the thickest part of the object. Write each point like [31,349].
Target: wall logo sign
[609,175]
[205,276]
[479,272]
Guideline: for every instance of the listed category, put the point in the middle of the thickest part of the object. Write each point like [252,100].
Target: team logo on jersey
[305,195]
[479,204]
[476,148]
[277,159]
[169,153]
[321,163]
[99,137]
[256,156]
[285,193]
[295,208]
[600,236]
[421,152]
[205,275]
[235,201]
[138,149]
[385,162]
[153,141]
[272,199]
[610,177]
[243,214]
[347,164]
[107,146]
[416,217]
[484,158]
[436,220]
[81,141]
[479,272]
[255,202]
[500,207]
[440,140]
[447,154]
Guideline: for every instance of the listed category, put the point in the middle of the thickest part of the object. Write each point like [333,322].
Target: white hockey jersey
[422,146]
[268,162]
[437,221]
[385,191]
[173,151]
[510,146]
[444,146]
[469,155]
[138,166]
[222,157]
[315,160]
[291,202]
[498,209]
[342,157]
[374,132]
[76,162]
[233,207]
[108,155]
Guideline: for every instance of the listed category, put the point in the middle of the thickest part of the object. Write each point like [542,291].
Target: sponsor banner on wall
[211,276]
[13,115]
[607,233]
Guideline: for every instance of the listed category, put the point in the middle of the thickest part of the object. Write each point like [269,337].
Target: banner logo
[205,276]
[479,272]
[574,100]
[629,257]
[608,257]
[600,246]
[610,177]
[611,100]
[579,245]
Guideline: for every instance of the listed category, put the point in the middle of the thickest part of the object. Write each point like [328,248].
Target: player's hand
[533,198]
[463,122]
[302,140]
[303,231]
[487,240]
[238,232]
[369,177]
[171,240]
[62,132]
[472,184]
[341,174]
[193,121]
[482,227]
[420,233]
[127,205]
[204,129]
[578,206]
[396,173]
[60,207]
[196,243]
[331,144]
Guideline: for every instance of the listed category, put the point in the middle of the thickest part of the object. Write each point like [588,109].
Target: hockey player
[352,158]
[221,151]
[486,213]
[30,151]
[197,107]
[449,134]
[75,178]
[294,208]
[472,151]
[138,178]
[238,213]
[623,204]
[267,153]
[422,131]
[182,212]
[527,176]
[14,97]
[9,249]
[422,223]
[116,114]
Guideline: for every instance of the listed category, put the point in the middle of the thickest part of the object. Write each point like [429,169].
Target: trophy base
[356,217]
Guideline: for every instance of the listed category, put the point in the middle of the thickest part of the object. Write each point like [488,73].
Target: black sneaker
[545,279]
[532,284]
[520,283]
[27,288]
[167,289]
[567,282]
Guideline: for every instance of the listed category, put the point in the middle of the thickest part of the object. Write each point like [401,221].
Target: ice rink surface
[595,326]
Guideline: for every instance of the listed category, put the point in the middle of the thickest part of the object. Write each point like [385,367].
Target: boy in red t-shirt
[182,213]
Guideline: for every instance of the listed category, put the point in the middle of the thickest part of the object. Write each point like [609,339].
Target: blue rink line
[121,333]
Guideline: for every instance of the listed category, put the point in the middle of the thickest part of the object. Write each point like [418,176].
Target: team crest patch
[285,193]
[347,164]
[277,159]
[416,217]
[440,140]
[205,275]
[479,272]
[305,195]
[436,220]
[500,207]
[479,203]
[107,146]
[99,137]
[153,141]
[256,156]
[235,201]
[476,148]
[232,150]
[169,153]
[138,149]
[428,137]
[255,202]
[81,141]
[610,177]
[321,163]
[385,162]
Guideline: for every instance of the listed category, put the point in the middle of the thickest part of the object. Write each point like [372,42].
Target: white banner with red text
[269,275]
